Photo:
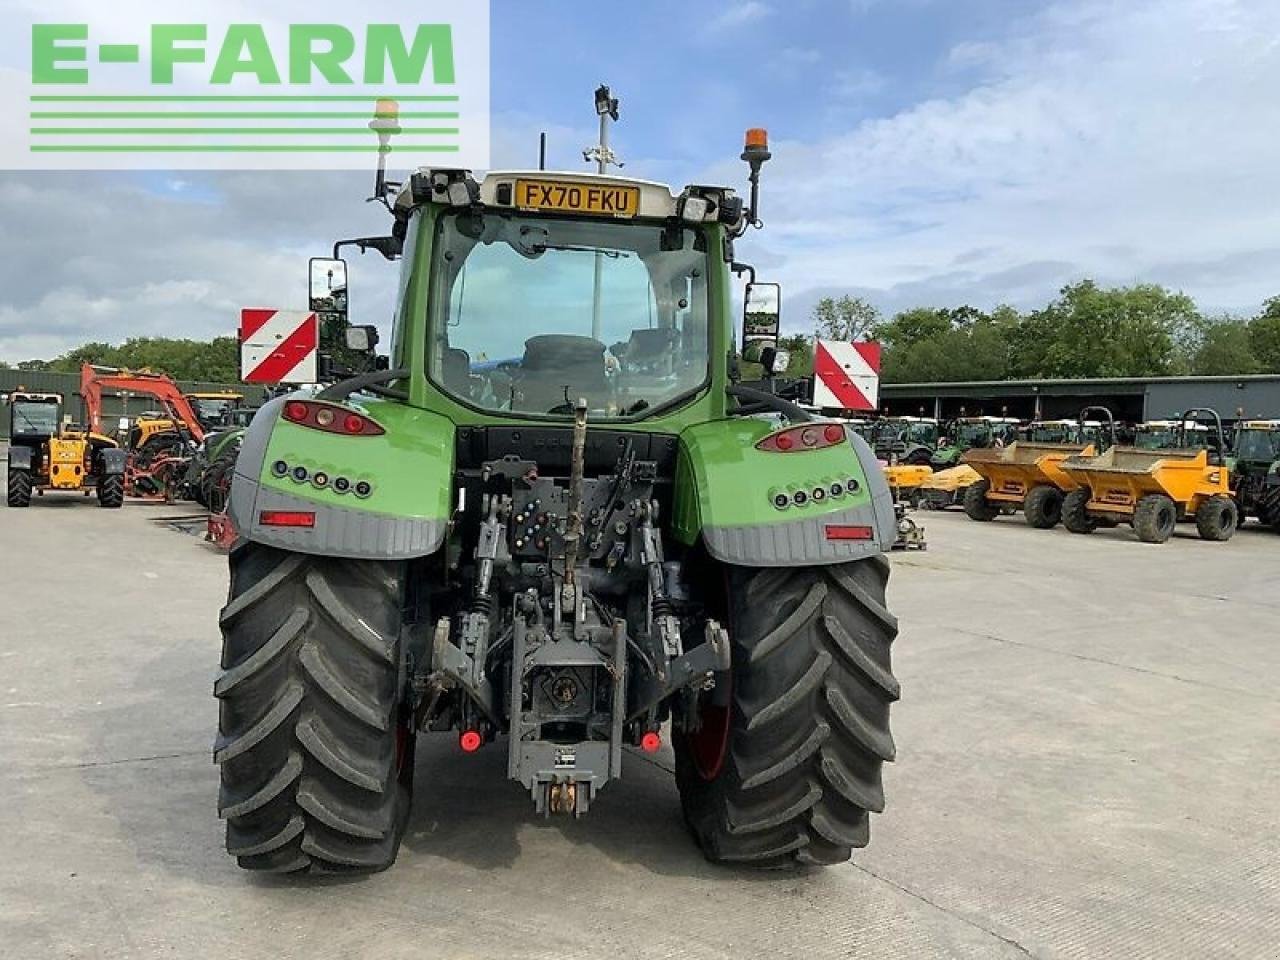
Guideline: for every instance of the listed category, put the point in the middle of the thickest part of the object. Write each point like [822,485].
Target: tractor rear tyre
[1043,507]
[1155,518]
[314,742]
[1217,518]
[788,771]
[1269,506]
[19,488]
[1075,511]
[215,483]
[975,502]
[111,491]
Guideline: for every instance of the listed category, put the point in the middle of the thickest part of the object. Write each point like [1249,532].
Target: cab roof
[656,200]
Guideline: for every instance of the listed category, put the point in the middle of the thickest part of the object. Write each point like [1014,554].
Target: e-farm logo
[133,92]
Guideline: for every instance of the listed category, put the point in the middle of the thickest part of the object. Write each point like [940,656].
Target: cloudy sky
[927,152]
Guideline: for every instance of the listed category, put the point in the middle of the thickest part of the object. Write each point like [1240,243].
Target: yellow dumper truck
[1152,489]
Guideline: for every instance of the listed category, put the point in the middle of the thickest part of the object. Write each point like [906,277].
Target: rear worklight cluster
[819,493]
[809,436]
[320,480]
[331,418]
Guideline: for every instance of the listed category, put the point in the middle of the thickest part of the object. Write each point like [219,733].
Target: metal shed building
[1129,399]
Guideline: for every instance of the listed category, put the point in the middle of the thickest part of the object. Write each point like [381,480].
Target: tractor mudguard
[767,509]
[20,458]
[287,469]
[113,461]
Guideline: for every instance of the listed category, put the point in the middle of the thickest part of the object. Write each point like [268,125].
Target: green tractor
[558,525]
[966,433]
[909,440]
[1255,471]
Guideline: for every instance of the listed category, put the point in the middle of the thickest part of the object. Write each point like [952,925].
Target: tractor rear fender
[20,458]
[758,508]
[288,475]
[112,460]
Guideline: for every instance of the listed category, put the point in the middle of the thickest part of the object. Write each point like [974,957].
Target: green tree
[1264,336]
[1225,350]
[949,344]
[216,360]
[1093,332]
[844,318]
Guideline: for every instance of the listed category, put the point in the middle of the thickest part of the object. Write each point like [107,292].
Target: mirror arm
[389,247]
[740,268]
[761,398]
[371,381]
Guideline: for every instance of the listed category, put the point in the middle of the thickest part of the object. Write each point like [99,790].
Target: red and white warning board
[278,346]
[846,375]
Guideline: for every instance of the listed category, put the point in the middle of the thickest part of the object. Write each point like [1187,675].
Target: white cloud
[1129,142]
[738,14]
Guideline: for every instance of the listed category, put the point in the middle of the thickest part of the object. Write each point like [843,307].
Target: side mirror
[327,288]
[361,339]
[762,314]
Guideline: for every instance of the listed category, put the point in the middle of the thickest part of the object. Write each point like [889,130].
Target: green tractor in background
[966,433]
[558,525]
[906,440]
[1255,471]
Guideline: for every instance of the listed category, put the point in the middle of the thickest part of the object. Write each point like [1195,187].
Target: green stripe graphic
[222,131]
[227,115]
[224,148]
[228,98]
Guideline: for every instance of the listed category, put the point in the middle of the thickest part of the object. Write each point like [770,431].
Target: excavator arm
[95,379]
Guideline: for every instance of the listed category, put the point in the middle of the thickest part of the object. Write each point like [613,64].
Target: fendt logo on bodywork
[132,89]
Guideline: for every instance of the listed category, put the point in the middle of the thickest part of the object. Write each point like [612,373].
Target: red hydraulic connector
[651,742]
[470,741]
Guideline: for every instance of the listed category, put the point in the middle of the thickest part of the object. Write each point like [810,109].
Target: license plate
[561,197]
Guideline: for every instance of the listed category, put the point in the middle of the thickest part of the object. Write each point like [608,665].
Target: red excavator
[158,447]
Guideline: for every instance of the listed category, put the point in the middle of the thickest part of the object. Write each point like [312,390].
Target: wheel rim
[1226,519]
[709,745]
[1166,520]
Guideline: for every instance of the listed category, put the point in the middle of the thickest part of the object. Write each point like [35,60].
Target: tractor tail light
[331,418]
[286,518]
[809,436]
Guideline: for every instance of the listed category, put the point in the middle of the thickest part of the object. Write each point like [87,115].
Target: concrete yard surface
[1088,767]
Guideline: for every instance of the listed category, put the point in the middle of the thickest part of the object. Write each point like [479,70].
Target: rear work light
[286,518]
[331,418]
[809,436]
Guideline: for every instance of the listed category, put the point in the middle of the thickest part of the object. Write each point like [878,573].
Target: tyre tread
[810,720]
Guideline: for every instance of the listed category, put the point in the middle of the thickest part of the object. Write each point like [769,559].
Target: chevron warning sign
[846,375]
[278,346]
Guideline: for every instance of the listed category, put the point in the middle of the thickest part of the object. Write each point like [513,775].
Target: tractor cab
[1170,435]
[216,410]
[1255,470]
[1054,431]
[906,439]
[34,417]
[966,433]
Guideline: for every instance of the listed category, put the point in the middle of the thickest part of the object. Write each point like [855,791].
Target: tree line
[214,361]
[1087,331]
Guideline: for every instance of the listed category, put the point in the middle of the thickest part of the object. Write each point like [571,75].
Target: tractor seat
[556,365]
